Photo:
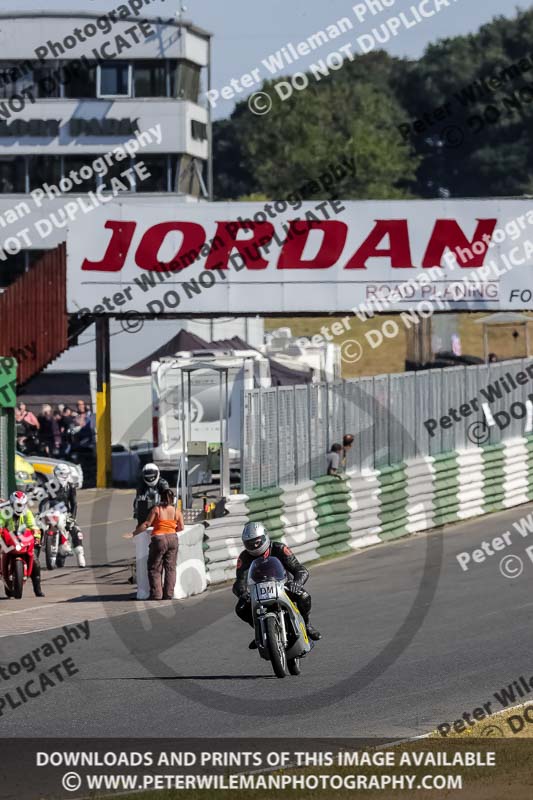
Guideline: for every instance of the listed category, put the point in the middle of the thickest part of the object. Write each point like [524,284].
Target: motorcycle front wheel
[50,556]
[294,666]
[18,579]
[278,657]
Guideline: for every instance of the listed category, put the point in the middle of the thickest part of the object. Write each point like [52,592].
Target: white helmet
[255,538]
[62,474]
[151,474]
[19,503]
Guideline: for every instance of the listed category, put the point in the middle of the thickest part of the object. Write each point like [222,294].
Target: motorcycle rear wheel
[50,558]
[294,666]
[18,579]
[278,657]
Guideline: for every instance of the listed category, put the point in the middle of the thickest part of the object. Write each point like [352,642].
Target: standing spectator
[334,460]
[83,420]
[493,358]
[66,425]
[347,443]
[27,424]
[167,521]
[49,434]
[27,418]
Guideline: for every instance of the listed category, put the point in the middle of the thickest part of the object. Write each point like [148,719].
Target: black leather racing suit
[146,498]
[66,498]
[296,592]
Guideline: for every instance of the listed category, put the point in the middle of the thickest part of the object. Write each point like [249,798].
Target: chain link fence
[288,431]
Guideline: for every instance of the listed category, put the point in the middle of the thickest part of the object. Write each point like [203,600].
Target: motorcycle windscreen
[266,569]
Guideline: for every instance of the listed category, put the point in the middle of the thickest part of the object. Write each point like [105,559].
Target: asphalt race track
[409,641]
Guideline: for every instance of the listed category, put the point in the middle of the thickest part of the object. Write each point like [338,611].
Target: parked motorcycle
[17,560]
[280,631]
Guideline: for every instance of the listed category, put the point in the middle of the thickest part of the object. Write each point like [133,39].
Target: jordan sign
[167,257]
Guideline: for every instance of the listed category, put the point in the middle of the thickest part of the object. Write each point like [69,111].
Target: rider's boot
[80,555]
[252,645]
[36,581]
[312,632]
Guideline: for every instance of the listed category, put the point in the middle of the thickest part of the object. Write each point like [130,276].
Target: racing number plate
[266,591]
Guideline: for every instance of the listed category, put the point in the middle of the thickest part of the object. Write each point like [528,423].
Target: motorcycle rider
[17,516]
[149,490]
[257,544]
[64,496]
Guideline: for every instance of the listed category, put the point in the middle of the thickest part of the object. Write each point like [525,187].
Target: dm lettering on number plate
[266,591]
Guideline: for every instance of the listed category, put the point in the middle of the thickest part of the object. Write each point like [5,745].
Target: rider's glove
[293,586]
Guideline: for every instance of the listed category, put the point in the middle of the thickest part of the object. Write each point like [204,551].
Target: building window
[12,175]
[185,176]
[75,163]
[198,130]
[185,80]
[157,166]
[78,80]
[44,169]
[150,79]
[15,77]
[114,79]
[115,171]
[46,82]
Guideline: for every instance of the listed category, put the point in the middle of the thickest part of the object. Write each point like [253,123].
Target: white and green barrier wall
[331,516]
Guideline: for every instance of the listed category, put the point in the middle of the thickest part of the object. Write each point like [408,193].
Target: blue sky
[247,31]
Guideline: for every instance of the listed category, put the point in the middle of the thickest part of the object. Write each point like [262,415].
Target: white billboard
[287,257]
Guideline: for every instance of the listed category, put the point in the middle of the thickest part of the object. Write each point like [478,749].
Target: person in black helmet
[257,544]
[149,490]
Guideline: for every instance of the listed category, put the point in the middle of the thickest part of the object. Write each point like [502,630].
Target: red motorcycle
[17,560]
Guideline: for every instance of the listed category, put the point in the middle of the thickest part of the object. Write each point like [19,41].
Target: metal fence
[287,431]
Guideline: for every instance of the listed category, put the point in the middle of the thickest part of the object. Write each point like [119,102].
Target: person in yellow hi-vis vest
[17,516]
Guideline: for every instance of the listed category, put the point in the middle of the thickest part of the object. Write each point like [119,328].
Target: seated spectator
[334,460]
[347,443]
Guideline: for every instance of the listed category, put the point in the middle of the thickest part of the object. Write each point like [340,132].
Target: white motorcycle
[280,631]
[57,542]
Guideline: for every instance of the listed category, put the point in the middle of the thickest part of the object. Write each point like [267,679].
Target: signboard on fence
[292,257]
[8,382]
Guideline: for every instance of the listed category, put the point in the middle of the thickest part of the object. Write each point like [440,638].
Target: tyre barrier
[334,515]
